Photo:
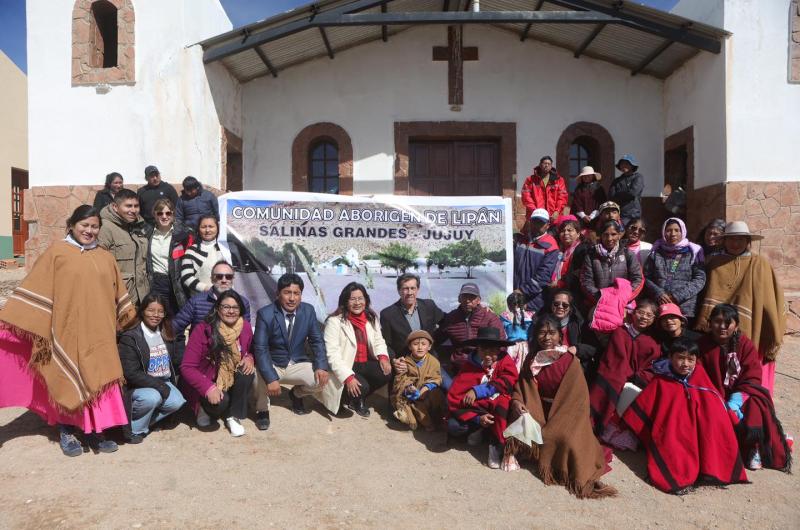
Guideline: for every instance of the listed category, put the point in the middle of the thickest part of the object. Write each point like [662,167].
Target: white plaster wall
[763,108]
[709,12]
[227,94]
[366,89]
[694,95]
[166,118]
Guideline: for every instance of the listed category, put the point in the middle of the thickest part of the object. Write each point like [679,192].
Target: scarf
[683,246]
[546,358]
[230,362]
[69,239]
[608,255]
[359,323]
[564,259]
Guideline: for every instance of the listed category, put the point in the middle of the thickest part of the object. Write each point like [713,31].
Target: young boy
[416,396]
[684,425]
[480,394]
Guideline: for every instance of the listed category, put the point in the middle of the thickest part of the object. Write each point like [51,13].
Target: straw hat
[740,228]
[589,170]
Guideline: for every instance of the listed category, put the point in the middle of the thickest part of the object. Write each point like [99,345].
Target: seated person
[682,423]
[627,359]
[574,331]
[478,398]
[672,325]
[734,366]
[416,397]
[218,368]
[552,389]
[289,350]
[517,321]
[145,352]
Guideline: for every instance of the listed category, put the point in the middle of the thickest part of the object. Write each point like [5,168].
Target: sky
[241,12]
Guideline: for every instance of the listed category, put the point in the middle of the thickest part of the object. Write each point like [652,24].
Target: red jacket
[552,197]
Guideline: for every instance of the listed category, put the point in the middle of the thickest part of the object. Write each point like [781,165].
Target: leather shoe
[262,420]
[297,404]
[133,438]
[357,405]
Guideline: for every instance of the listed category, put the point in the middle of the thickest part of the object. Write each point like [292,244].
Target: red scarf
[359,323]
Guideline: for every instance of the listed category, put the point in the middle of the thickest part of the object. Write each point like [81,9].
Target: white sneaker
[235,427]
[203,419]
[494,456]
[475,438]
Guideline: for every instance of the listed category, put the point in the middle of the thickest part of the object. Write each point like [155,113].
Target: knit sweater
[197,263]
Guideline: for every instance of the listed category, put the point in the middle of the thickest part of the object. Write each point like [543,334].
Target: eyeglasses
[636,229]
[357,300]
[229,308]
[565,305]
[645,314]
[223,276]
[154,312]
[164,214]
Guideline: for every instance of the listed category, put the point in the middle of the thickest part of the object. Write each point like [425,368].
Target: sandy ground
[321,472]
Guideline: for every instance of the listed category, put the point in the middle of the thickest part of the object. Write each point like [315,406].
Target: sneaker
[70,445]
[262,420]
[203,419]
[235,427]
[754,462]
[134,438]
[99,442]
[494,456]
[358,406]
[475,438]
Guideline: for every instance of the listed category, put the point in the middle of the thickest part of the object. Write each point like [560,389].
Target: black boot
[357,405]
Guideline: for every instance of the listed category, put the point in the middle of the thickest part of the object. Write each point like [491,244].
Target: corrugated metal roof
[630,41]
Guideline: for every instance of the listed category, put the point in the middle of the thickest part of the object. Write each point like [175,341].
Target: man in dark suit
[285,331]
[408,314]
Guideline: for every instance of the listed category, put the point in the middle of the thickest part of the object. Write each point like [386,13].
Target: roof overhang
[641,39]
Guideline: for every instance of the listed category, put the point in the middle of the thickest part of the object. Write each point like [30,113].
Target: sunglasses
[223,276]
[164,214]
[565,305]
[636,229]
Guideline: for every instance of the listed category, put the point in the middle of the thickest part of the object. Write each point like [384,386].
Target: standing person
[747,281]
[626,190]
[572,251]
[608,261]
[674,272]
[356,350]
[634,231]
[218,368]
[710,238]
[535,259]
[125,234]
[195,202]
[545,189]
[154,189]
[146,352]
[167,245]
[286,332]
[105,196]
[200,258]
[58,351]
[588,196]
[409,313]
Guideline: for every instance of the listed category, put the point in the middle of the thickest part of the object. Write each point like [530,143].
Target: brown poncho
[68,306]
[571,455]
[749,284]
[430,409]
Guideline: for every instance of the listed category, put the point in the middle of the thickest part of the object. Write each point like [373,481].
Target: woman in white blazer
[357,353]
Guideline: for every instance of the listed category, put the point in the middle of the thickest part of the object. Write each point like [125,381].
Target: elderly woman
[710,238]
[552,389]
[674,272]
[146,352]
[218,368]
[746,281]
[633,239]
[356,351]
[734,366]
[608,261]
[166,246]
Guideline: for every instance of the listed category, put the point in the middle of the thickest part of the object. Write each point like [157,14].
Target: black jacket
[180,237]
[148,197]
[395,327]
[626,191]
[102,199]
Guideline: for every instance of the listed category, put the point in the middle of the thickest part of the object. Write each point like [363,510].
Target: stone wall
[84,31]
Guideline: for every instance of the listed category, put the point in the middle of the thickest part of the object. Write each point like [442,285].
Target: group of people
[607,342]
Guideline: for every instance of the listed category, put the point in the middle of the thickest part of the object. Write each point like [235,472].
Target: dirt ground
[316,471]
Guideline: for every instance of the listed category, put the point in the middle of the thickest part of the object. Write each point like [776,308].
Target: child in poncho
[416,395]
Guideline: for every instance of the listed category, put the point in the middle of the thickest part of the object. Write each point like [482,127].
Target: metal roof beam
[266,61]
[585,44]
[384,29]
[527,30]
[631,20]
[326,42]
[466,17]
[284,30]
[650,58]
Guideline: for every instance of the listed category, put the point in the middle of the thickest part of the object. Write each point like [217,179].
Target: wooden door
[19,183]
[454,168]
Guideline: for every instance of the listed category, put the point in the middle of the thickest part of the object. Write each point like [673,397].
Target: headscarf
[683,246]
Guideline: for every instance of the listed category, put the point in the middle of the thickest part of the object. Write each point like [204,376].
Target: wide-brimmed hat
[609,205]
[629,159]
[740,228]
[488,335]
[589,170]
[419,334]
[671,310]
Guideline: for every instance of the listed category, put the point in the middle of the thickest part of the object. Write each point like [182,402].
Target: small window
[579,156]
[104,37]
[323,171]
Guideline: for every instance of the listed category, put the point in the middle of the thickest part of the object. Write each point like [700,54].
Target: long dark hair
[84,211]
[219,351]
[545,320]
[730,314]
[714,223]
[200,221]
[110,178]
[166,323]
[344,297]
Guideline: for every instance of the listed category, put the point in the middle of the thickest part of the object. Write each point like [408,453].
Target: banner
[332,240]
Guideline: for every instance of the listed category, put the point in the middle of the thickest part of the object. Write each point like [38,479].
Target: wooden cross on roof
[455,54]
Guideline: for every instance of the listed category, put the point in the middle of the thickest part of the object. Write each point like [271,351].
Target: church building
[422,97]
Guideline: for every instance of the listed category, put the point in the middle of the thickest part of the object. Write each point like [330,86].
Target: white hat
[740,228]
[540,213]
[589,170]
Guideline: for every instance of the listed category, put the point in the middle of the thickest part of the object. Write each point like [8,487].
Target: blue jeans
[447,380]
[147,407]
[457,429]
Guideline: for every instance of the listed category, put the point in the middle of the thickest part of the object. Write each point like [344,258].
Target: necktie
[290,316]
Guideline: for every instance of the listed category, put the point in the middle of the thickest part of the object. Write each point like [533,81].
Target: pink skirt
[20,387]
[768,377]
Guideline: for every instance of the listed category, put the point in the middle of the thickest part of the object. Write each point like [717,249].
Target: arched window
[323,167]
[104,34]
[585,144]
[579,156]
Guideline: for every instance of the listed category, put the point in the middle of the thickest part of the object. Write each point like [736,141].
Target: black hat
[488,335]
[149,170]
